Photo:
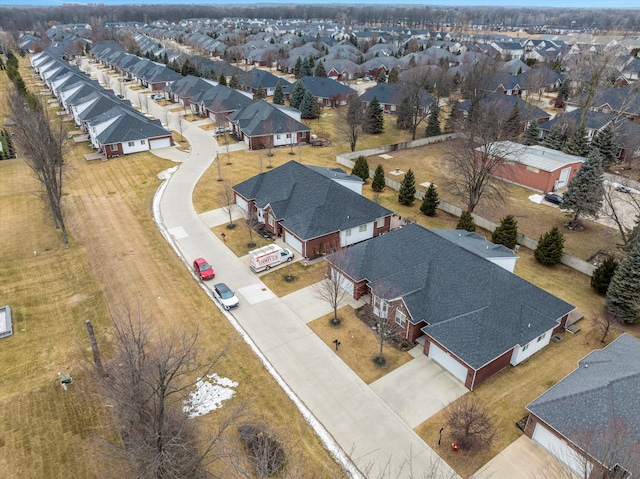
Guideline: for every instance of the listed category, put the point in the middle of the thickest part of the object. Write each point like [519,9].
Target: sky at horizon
[630,4]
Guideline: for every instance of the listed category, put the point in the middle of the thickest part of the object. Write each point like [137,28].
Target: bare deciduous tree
[350,121]
[622,209]
[146,382]
[589,70]
[42,144]
[228,199]
[331,287]
[480,156]
[470,423]
[252,223]
[605,324]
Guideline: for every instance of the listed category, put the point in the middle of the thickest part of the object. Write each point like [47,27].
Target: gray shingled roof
[308,203]
[261,118]
[475,308]
[605,387]
[476,243]
[323,87]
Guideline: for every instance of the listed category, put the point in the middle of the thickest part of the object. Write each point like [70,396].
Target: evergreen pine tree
[222,80]
[563,91]
[320,71]
[312,64]
[512,123]
[306,105]
[382,78]
[373,117]
[234,82]
[430,201]
[297,68]
[278,94]
[394,75]
[585,192]
[361,168]
[506,233]
[407,193]
[550,247]
[577,144]
[297,94]
[553,139]
[623,294]
[260,93]
[466,222]
[532,134]
[305,68]
[378,182]
[605,142]
[454,116]
[603,275]
[433,122]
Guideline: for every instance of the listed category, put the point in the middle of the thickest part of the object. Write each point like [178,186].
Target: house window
[113,147]
[401,318]
[131,143]
[143,142]
[380,307]
[379,222]
[288,135]
[533,169]
[362,228]
[541,337]
[303,134]
[525,347]
[348,232]
[271,222]
[277,137]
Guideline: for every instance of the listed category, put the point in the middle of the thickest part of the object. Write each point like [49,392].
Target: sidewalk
[347,415]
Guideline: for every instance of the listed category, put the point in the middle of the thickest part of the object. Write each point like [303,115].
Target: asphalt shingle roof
[604,388]
[308,203]
[262,118]
[473,307]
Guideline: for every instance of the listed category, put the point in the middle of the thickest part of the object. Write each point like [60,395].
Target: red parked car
[203,268]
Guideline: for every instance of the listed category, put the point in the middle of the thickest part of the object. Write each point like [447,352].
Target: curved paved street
[346,413]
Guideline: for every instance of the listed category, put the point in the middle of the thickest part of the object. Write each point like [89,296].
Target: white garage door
[292,241]
[159,143]
[560,450]
[343,282]
[445,360]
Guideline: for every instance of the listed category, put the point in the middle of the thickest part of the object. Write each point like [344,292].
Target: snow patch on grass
[210,393]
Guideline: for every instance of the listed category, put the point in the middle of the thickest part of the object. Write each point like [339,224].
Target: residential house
[503,105]
[256,78]
[535,167]
[476,317]
[340,69]
[312,210]
[627,133]
[390,96]
[264,125]
[589,420]
[326,91]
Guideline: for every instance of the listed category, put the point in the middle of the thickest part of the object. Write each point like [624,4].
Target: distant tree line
[428,17]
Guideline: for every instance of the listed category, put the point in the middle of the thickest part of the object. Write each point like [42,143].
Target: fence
[347,159]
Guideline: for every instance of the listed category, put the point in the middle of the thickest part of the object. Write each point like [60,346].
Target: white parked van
[271,255]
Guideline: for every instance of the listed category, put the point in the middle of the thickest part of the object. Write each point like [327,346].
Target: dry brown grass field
[115,257]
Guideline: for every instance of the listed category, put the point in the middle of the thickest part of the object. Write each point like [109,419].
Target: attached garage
[292,241]
[343,281]
[447,361]
[560,449]
[159,143]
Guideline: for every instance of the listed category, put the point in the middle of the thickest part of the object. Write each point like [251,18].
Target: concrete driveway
[418,389]
[522,459]
[308,306]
